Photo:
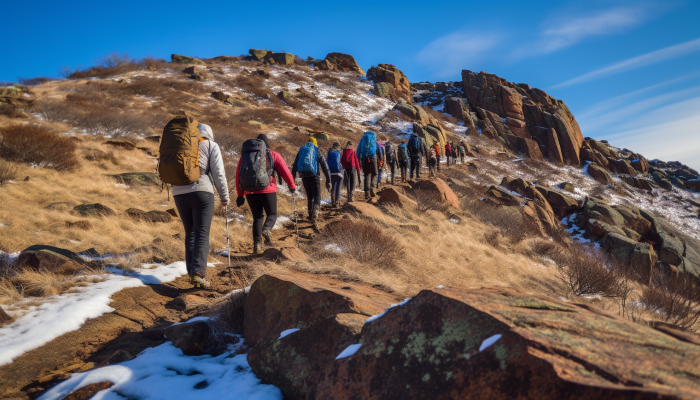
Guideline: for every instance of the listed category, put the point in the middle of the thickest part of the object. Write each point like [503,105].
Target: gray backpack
[257,166]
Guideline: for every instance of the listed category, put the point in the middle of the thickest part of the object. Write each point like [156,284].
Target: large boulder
[390,195]
[339,62]
[387,73]
[177,58]
[599,174]
[49,258]
[503,344]
[297,300]
[438,191]
[293,361]
[561,203]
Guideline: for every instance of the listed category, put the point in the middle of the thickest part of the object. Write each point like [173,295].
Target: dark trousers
[448,160]
[415,166]
[312,187]
[369,169]
[336,184]
[379,176]
[196,210]
[392,167]
[350,182]
[262,204]
[403,167]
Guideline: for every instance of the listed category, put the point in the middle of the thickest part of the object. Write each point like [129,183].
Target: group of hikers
[191,162]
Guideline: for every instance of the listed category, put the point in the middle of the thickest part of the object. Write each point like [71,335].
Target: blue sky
[629,70]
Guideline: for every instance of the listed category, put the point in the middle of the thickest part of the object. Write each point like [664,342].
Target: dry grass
[583,270]
[39,146]
[364,241]
[8,171]
[675,300]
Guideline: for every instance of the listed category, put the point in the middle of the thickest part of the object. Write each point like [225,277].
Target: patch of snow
[440,287]
[287,332]
[376,317]
[489,342]
[281,220]
[64,313]
[163,372]
[349,351]
[334,248]
[454,220]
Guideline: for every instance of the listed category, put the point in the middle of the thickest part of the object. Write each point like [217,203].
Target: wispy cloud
[644,60]
[669,133]
[569,30]
[451,53]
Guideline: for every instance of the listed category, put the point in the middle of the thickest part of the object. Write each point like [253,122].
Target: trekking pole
[228,248]
[296,223]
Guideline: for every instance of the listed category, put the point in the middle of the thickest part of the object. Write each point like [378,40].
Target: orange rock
[439,191]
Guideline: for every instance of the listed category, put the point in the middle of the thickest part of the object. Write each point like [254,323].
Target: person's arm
[294,167]
[356,162]
[218,173]
[282,170]
[324,166]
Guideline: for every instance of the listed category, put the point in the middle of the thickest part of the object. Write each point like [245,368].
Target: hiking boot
[267,235]
[258,246]
[200,283]
[371,193]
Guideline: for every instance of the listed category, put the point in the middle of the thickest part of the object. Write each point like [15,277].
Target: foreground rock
[49,258]
[498,344]
[310,340]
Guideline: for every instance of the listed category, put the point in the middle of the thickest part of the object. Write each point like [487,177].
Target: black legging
[312,187]
[415,166]
[196,210]
[369,169]
[350,182]
[259,202]
[392,167]
[336,184]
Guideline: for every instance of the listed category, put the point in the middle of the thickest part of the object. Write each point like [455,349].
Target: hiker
[255,179]
[416,150]
[432,163]
[368,154]
[402,156]
[454,153]
[390,155]
[448,153]
[307,164]
[350,163]
[463,150]
[195,201]
[436,147]
[381,157]
[337,172]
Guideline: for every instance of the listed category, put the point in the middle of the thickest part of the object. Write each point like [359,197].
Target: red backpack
[348,158]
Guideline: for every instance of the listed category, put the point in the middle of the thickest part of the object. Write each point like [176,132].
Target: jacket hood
[205,131]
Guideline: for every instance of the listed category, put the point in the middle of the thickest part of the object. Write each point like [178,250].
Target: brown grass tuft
[364,241]
[8,172]
[36,145]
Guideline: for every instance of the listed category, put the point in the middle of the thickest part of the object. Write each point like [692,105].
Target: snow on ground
[163,372]
[36,325]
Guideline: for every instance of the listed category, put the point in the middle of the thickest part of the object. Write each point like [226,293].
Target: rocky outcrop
[459,108]
[93,210]
[339,62]
[49,258]
[267,56]
[424,124]
[599,174]
[525,113]
[389,74]
[438,191]
[561,204]
[452,343]
[393,196]
[177,58]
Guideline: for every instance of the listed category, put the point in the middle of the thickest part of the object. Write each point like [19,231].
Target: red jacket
[281,168]
[349,160]
[448,150]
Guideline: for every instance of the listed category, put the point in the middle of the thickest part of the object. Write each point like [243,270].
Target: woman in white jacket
[195,204]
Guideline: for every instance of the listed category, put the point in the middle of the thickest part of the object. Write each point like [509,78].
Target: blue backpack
[414,145]
[334,161]
[403,152]
[308,158]
[368,146]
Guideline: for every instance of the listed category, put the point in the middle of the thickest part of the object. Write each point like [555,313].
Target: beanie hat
[263,137]
[313,140]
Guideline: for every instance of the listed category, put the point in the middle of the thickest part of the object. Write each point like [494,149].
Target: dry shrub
[115,64]
[40,283]
[255,84]
[37,145]
[11,111]
[36,81]
[676,300]
[584,271]
[99,155]
[9,293]
[8,172]
[509,220]
[365,242]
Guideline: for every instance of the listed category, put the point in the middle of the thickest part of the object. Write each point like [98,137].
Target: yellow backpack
[178,163]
